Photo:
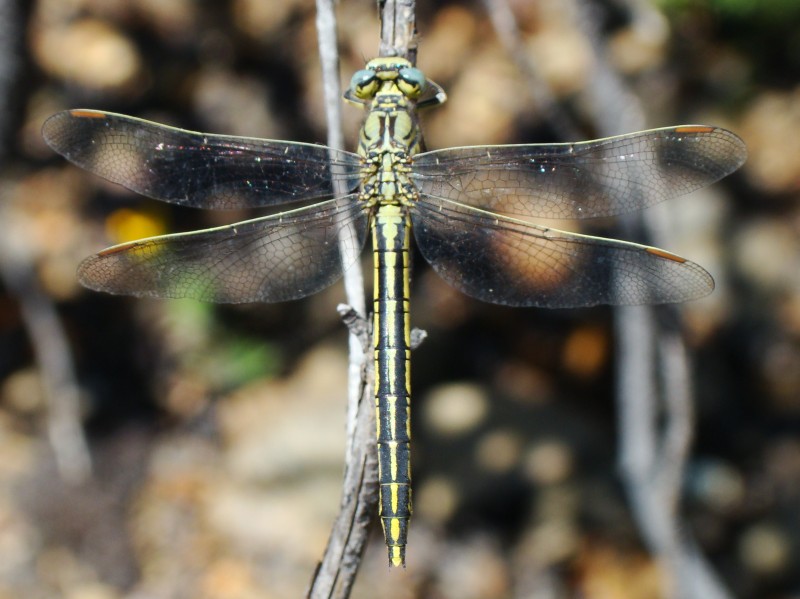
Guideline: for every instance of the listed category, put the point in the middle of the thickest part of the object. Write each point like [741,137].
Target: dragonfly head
[393,74]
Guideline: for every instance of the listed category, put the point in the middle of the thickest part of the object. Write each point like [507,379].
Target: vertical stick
[398,28]
[335,574]
[652,458]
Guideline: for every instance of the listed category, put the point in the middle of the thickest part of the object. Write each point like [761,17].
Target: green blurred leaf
[233,361]
[766,10]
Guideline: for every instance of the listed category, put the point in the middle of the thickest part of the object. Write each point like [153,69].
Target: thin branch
[677,435]
[44,328]
[336,572]
[398,28]
[652,458]
[694,578]
[51,349]
[505,25]
[353,277]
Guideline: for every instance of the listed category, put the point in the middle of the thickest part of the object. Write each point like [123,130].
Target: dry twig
[336,573]
[545,101]
[652,457]
[46,334]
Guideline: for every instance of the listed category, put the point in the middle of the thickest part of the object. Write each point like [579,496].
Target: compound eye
[411,82]
[364,84]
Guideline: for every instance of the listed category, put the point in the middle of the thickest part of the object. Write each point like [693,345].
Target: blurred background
[216,433]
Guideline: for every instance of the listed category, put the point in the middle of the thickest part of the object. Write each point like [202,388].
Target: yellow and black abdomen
[391,230]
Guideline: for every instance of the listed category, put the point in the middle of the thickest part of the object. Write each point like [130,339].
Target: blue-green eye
[413,76]
[411,81]
[362,77]
[364,84]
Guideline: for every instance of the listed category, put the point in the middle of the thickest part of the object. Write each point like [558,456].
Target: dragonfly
[474,211]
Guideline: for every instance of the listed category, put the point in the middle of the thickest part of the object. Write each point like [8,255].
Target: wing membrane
[198,169]
[590,179]
[515,263]
[271,259]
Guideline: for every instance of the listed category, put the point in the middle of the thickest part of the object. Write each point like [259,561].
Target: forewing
[199,169]
[271,259]
[515,263]
[582,180]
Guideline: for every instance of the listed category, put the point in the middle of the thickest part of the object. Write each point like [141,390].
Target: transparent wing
[582,180]
[515,263]
[271,259]
[198,169]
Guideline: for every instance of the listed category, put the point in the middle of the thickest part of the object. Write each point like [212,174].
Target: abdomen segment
[391,230]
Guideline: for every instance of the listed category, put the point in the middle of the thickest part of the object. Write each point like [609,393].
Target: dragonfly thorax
[385,179]
[388,139]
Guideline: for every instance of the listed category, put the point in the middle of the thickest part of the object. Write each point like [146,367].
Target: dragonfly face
[470,208]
